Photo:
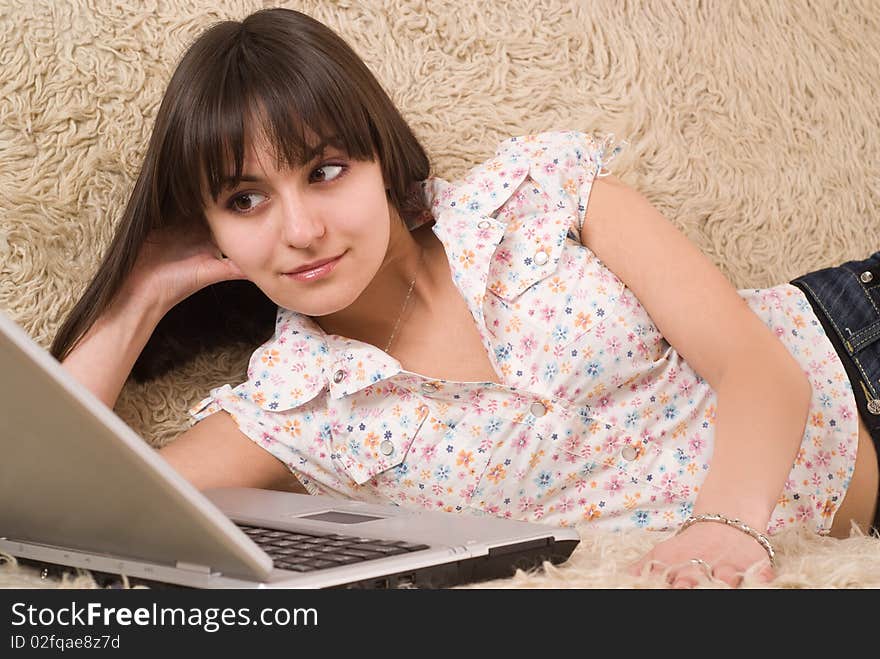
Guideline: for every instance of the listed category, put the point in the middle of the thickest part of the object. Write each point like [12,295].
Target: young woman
[535,341]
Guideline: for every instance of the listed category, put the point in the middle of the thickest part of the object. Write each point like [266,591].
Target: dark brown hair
[303,87]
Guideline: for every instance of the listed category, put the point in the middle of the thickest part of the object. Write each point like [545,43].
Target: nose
[300,225]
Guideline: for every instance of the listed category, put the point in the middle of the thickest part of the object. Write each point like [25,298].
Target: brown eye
[326,173]
[245,202]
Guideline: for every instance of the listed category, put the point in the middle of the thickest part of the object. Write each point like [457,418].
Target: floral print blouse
[597,420]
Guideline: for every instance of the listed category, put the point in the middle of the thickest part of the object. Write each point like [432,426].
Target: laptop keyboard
[302,552]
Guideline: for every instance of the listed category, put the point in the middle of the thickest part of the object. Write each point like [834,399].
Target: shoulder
[561,163]
[538,144]
[563,150]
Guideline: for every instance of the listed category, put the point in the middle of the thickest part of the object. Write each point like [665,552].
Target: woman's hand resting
[173,264]
[705,551]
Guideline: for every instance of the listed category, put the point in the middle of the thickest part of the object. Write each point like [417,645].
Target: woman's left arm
[763,394]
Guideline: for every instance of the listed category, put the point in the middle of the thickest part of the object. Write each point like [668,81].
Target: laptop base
[495,565]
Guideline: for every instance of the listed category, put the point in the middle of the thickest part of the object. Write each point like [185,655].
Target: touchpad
[340,517]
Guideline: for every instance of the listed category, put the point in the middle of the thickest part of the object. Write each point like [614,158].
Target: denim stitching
[861,342]
[855,359]
[870,335]
[864,288]
[865,291]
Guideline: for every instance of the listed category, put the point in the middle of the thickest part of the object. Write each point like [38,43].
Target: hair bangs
[293,107]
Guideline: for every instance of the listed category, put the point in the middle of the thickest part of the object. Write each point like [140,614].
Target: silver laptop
[79,488]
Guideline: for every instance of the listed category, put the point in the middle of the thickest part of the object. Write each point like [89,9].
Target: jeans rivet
[866,277]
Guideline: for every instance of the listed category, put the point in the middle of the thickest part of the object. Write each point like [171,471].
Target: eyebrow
[317,152]
[231,181]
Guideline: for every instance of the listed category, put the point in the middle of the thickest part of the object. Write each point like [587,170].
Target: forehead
[273,138]
[260,148]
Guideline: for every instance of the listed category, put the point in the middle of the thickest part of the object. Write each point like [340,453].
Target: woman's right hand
[173,264]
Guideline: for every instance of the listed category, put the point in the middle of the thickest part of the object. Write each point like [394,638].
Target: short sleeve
[219,398]
[247,414]
[564,165]
[254,422]
[604,151]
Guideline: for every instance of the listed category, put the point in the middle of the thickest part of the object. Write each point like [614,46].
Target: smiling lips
[314,270]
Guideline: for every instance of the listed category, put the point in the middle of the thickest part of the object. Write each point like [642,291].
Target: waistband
[844,302]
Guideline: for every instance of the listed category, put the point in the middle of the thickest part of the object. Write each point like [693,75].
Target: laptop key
[296,567]
[360,552]
[326,550]
[307,553]
[384,550]
[346,560]
[302,551]
[412,546]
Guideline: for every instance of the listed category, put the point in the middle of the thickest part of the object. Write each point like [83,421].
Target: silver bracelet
[739,525]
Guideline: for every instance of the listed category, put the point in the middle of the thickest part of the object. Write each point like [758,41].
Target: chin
[317,304]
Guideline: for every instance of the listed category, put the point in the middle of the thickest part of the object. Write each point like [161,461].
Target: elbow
[800,393]
[807,388]
[802,389]
[783,379]
[794,383]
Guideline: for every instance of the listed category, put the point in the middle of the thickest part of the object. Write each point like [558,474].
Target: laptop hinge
[193,567]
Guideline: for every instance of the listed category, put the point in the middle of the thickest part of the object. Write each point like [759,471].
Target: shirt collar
[465,222]
[301,360]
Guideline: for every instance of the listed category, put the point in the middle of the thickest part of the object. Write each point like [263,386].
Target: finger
[728,574]
[682,580]
[213,271]
[762,572]
[232,267]
[690,575]
[766,573]
[646,567]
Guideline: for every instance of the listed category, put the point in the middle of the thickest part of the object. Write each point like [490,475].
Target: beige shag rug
[753,126]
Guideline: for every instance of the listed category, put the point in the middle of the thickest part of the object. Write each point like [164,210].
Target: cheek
[369,218]
[243,245]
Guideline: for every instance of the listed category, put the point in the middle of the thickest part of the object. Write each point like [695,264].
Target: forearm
[104,357]
[763,402]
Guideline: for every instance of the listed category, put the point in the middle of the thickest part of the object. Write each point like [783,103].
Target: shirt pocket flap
[601,443]
[277,383]
[529,252]
[377,438]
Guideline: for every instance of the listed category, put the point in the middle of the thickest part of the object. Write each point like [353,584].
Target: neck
[373,315]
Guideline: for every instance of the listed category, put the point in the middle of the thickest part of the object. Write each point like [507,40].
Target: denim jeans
[846,300]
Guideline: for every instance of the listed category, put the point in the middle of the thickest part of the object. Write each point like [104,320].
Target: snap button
[386,447]
[338,376]
[485,224]
[541,258]
[628,453]
[866,277]
[538,409]
[429,387]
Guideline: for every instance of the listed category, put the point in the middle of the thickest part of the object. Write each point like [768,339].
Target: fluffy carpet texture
[753,126]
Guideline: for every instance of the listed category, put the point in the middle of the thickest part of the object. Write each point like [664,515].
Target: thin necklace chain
[412,285]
